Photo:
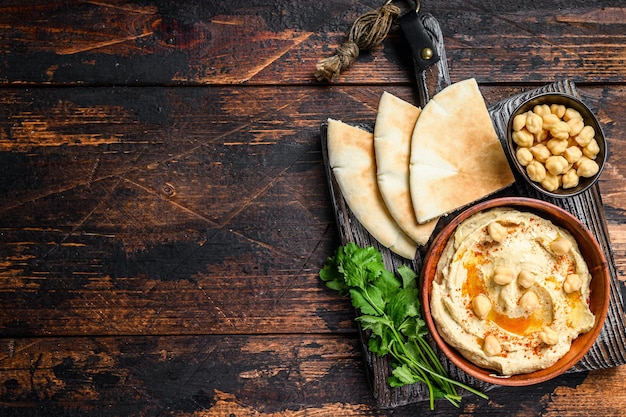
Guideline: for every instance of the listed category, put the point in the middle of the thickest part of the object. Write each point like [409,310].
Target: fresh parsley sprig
[390,310]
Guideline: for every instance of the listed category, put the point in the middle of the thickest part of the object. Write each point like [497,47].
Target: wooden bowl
[589,119]
[599,297]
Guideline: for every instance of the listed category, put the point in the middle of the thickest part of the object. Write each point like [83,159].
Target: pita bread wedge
[351,158]
[456,156]
[394,126]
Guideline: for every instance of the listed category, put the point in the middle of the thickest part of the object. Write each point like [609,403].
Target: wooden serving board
[610,347]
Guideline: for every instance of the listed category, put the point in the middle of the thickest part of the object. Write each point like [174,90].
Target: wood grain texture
[122,238]
[238,375]
[164,210]
[145,222]
[155,42]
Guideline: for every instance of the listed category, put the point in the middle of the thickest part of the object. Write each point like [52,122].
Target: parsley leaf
[390,311]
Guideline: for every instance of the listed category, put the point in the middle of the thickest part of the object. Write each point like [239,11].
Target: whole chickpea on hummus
[511,291]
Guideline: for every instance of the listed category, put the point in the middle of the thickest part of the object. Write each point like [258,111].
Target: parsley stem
[420,374]
[390,310]
[448,379]
[440,375]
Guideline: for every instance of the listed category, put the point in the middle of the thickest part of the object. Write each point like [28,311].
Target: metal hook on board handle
[418,4]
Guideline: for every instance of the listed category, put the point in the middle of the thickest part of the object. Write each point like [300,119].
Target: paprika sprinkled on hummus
[512,302]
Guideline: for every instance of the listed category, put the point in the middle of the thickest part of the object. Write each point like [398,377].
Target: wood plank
[209,376]
[124,197]
[117,220]
[178,375]
[131,43]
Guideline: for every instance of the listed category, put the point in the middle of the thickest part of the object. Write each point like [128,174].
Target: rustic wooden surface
[164,209]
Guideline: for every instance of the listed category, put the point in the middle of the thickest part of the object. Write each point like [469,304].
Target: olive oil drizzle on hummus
[528,335]
[521,325]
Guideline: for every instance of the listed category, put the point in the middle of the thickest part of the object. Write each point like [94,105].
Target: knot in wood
[169,190]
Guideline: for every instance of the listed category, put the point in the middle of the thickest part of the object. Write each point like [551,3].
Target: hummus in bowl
[515,290]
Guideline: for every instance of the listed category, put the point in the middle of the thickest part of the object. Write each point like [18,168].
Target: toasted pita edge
[460,109]
[352,161]
[395,122]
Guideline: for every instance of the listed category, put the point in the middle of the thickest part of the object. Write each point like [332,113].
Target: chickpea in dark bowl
[556,144]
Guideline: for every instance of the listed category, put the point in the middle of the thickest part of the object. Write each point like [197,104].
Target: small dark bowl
[599,285]
[588,117]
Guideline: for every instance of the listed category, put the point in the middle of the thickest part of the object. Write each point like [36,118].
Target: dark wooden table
[164,209]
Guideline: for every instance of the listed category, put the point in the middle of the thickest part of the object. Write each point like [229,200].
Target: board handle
[423,33]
